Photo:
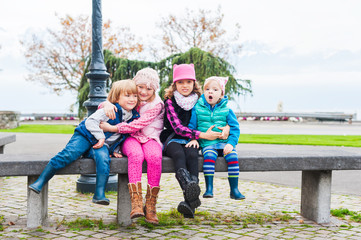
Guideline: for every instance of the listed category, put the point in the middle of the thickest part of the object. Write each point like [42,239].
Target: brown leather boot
[135,192]
[150,202]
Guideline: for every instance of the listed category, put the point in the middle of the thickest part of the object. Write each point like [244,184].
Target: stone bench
[316,164]
[6,139]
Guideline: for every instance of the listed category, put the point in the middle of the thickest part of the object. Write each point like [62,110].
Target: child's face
[145,93]
[212,93]
[185,87]
[128,101]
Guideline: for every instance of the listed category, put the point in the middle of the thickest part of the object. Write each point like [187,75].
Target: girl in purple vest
[143,144]
[89,140]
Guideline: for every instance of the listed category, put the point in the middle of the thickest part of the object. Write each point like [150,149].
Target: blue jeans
[77,146]
[101,158]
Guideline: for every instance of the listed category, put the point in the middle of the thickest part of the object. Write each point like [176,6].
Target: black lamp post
[97,76]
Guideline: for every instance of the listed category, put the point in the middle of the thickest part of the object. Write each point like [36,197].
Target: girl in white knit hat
[143,144]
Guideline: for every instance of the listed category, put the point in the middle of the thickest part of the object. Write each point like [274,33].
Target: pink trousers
[136,152]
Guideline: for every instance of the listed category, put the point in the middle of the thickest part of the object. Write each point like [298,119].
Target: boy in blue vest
[89,140]
[211,109]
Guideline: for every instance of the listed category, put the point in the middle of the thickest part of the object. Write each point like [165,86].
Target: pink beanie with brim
[183,72]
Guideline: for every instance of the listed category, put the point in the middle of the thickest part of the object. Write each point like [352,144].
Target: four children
[188,123]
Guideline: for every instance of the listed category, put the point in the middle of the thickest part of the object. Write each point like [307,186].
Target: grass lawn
[35,128]
[320,140]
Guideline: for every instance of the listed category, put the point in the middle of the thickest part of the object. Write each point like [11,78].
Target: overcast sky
[306,54]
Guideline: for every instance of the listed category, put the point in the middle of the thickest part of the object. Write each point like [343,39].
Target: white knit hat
[147,76]
[222,81]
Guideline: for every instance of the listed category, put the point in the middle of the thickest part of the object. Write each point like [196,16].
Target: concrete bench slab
[316,164]
[6,138]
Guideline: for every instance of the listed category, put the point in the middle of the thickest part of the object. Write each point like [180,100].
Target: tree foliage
[198,29]
[59,58]
[118,68]
[205,63]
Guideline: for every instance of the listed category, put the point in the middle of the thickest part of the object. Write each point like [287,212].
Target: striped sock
[210,157]
[233,166]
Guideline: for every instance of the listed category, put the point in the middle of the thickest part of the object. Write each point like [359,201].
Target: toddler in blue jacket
[211,109]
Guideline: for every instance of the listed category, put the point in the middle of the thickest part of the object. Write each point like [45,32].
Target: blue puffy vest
[206,117]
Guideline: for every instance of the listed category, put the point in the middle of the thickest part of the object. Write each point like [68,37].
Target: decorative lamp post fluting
[97,76]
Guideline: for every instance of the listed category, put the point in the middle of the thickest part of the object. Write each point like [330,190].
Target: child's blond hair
[169,92]
[121,87]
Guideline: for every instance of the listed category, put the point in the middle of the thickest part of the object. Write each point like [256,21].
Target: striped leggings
[210,156]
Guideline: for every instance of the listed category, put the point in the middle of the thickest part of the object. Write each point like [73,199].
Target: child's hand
[193,143]
[225,132]
[227,149]
[109,109]
[117,155]
[210,135]
[106,127]
[100,143]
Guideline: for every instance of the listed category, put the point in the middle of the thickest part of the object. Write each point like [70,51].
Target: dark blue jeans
[77,146]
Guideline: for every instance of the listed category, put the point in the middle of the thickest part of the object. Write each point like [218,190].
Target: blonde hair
[121,87]
[169,92]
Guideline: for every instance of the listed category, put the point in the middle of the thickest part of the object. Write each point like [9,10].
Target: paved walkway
[66,205]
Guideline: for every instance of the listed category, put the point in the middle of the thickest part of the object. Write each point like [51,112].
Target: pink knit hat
[147,76]
[222,81]
[184,71]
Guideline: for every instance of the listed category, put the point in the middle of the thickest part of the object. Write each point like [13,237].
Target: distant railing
[320,116]
[48,116]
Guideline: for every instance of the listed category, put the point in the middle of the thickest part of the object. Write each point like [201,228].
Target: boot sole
[136,215]
[101,202]
[192,192]
[194,204]
[156,223]
[241,198]
[185,210]
[207,196]
[34,189]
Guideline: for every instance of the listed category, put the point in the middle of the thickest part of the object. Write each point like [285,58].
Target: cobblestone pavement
[65,204]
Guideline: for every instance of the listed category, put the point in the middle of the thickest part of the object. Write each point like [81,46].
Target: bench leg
[316,195]
[123,204]
[2,149]
[37,205]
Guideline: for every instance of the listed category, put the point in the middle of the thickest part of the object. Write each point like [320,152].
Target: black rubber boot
[190,187]
[186,210]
